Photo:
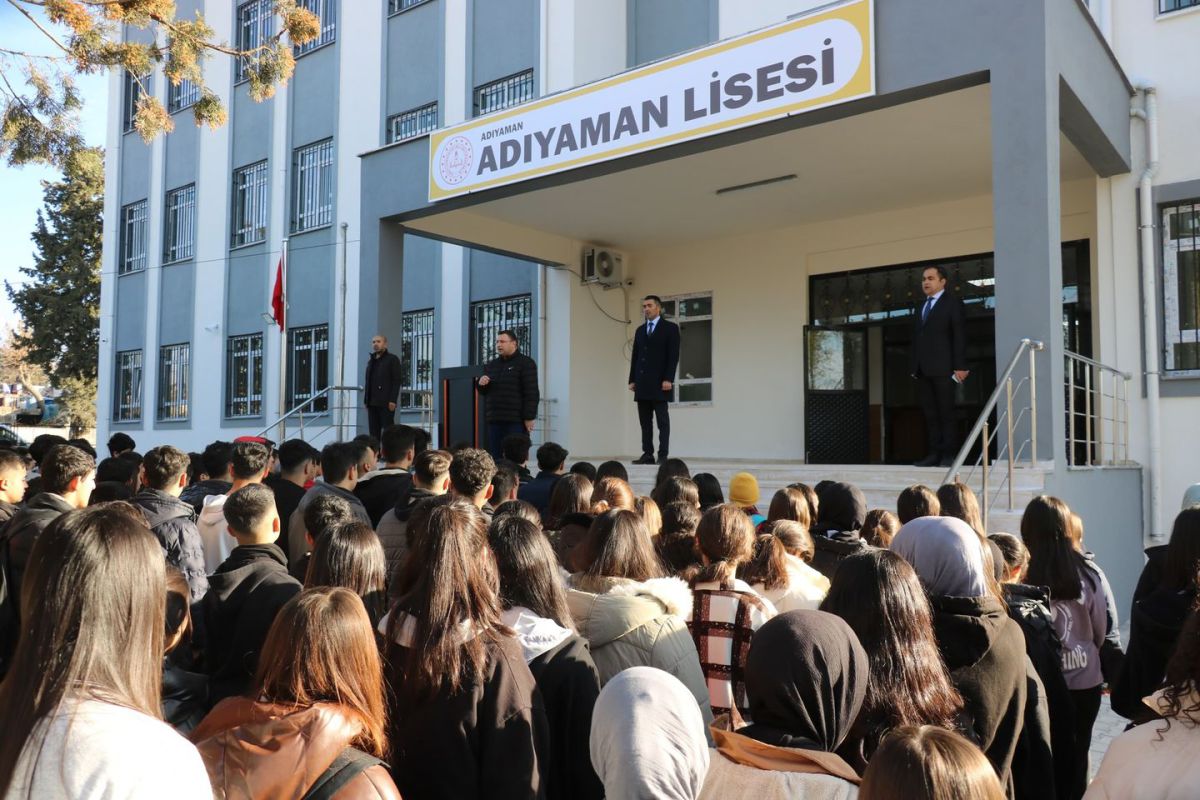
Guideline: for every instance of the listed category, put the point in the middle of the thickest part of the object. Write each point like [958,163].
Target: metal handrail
[1093,413]
[1002,385]
[298,411]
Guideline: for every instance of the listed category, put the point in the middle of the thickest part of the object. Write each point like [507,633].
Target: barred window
[490,317]
[255,25]
[179,236]
[396,6]
[135,87]
[1181,286]
[308,365]
[504,93]
[312,178]
[693,313]
[249,204]
[413,122]
[181,95]
[416,358]
[1167,6]
[174,361]
[326,11]
[134,229]
[244,376]
[127,405]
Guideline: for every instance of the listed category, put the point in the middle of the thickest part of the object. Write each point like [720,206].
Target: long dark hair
[671,468]
[93,619]
[1046,529]
[1179,701]
[957,500]
[446,583]
[321,649]
[528,569]
[709,489]
[810,495]
[881,598]
[1183,552]
[677,489]
[771,549]
[572,495]
[618,546]
[350,555]
[725,537]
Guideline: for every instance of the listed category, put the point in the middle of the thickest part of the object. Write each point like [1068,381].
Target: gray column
[1025,187]
[381,290]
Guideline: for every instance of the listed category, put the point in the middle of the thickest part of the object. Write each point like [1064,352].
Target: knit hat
[743,489]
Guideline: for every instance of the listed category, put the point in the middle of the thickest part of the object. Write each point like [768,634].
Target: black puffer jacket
[512,394]
[174,523]
[1154,628]
[24,528]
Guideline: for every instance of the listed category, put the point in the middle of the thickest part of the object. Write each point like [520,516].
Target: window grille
[244,375]
[249,204]
[128,402]
[416,358]
[134,229]
[173,370]
[396,6]
[1181,286]
[135,87]
[255,25]
[179,237]
[504,93]
[308,365]
[312,197]
[182,95]
[490,317]
[1167,6]
[693,313]
[326,11]
[414,122]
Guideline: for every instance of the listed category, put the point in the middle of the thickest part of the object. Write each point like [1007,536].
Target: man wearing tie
[939,362]
[651,375]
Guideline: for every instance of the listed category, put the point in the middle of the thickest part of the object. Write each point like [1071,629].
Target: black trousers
[1086,704]
[378,418]
[496,433]
[648,412]
[937,404]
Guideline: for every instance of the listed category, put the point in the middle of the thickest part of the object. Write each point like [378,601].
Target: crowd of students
[254,621]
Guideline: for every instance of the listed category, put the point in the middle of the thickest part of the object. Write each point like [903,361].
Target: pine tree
[60,301]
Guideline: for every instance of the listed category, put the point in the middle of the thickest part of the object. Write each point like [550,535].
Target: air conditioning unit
[605,267]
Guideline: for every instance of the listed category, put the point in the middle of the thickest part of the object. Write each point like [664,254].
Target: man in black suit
[651,375]
[939,362]
[383,386]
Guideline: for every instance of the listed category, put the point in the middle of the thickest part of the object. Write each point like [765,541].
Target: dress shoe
[928,461]
[948,461]
[645,459]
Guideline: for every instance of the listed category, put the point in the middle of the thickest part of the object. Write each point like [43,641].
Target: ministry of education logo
[454,163]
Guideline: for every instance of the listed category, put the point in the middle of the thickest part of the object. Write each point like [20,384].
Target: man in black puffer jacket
[510,384]
[164,474]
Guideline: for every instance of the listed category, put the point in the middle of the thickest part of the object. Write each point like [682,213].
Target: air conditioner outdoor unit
[605,267]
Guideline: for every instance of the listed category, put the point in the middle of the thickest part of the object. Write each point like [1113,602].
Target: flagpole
[283,354]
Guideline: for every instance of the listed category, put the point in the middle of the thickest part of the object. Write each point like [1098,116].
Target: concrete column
[452,302]
[1025,186]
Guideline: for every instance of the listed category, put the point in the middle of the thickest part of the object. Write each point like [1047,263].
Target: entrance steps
[881,483]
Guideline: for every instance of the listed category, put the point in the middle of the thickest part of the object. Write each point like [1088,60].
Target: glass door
[836,427]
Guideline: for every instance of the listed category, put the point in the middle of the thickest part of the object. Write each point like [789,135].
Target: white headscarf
[647,738]
[946,555]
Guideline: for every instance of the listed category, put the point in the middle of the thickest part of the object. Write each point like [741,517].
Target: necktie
[649,328]
[926,309]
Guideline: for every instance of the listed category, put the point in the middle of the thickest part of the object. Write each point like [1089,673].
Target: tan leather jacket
[254,750]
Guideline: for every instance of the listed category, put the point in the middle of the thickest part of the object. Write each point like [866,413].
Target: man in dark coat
[173,522]
[651,376]
[939,363]
[510,384]
[382,386]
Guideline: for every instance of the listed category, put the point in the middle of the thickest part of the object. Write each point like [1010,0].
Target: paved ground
[1109,725]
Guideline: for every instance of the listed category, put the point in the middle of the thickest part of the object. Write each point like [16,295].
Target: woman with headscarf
[983,648]
[841,511]
[806,677]
[647,738]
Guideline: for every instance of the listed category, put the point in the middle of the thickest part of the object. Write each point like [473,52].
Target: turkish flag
[277,295]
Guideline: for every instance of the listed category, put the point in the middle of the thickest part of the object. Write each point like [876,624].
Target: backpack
[345,768]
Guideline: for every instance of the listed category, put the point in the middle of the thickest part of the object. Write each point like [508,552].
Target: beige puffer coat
[638,624]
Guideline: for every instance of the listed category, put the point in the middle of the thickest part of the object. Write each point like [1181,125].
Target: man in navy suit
[939,363]
[651,376]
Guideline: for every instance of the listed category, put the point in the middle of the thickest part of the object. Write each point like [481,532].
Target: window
[412,123]
[179,236]
[133,238]
[127,406]
[312,177]
[326,11]
[255,25]
[249,204]
[492,316]
[396,6]
[135,87]
[693,314]
[1167,6]
[416,358]
[308,365]
[504,93]
[181,96]
[244,374]
[1181,286]
[173,369]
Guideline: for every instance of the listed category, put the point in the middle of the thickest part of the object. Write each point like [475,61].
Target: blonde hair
[929,763]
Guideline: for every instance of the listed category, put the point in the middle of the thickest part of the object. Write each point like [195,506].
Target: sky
[20,187]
